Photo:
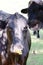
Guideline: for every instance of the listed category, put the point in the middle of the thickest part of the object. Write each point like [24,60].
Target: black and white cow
[21,37]
[19,40]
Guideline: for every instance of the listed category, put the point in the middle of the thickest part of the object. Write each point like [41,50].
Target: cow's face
[20,30]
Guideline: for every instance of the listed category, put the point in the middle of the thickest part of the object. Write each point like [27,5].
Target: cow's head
[19,32]
[19,37]
[32,22]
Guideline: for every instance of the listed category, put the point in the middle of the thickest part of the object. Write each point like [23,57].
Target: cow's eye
[25,32]
[25,29]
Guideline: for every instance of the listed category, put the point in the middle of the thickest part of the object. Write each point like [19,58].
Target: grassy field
[36,52]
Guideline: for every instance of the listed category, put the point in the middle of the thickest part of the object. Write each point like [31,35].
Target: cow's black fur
[3,24]
[35,15]
[35,12]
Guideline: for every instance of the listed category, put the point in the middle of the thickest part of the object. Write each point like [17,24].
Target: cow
[35,15]
[18,41]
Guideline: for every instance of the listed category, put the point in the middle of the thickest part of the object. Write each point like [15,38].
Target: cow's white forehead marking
[20,24]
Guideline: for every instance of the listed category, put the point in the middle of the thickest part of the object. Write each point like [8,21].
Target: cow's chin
[33,23]
[32,26]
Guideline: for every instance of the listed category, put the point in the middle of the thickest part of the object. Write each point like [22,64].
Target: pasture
[36,52]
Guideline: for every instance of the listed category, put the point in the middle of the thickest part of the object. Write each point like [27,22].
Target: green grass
[37,46]
[35,59]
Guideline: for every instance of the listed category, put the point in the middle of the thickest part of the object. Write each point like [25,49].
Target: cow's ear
[25,11]
[4,24]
